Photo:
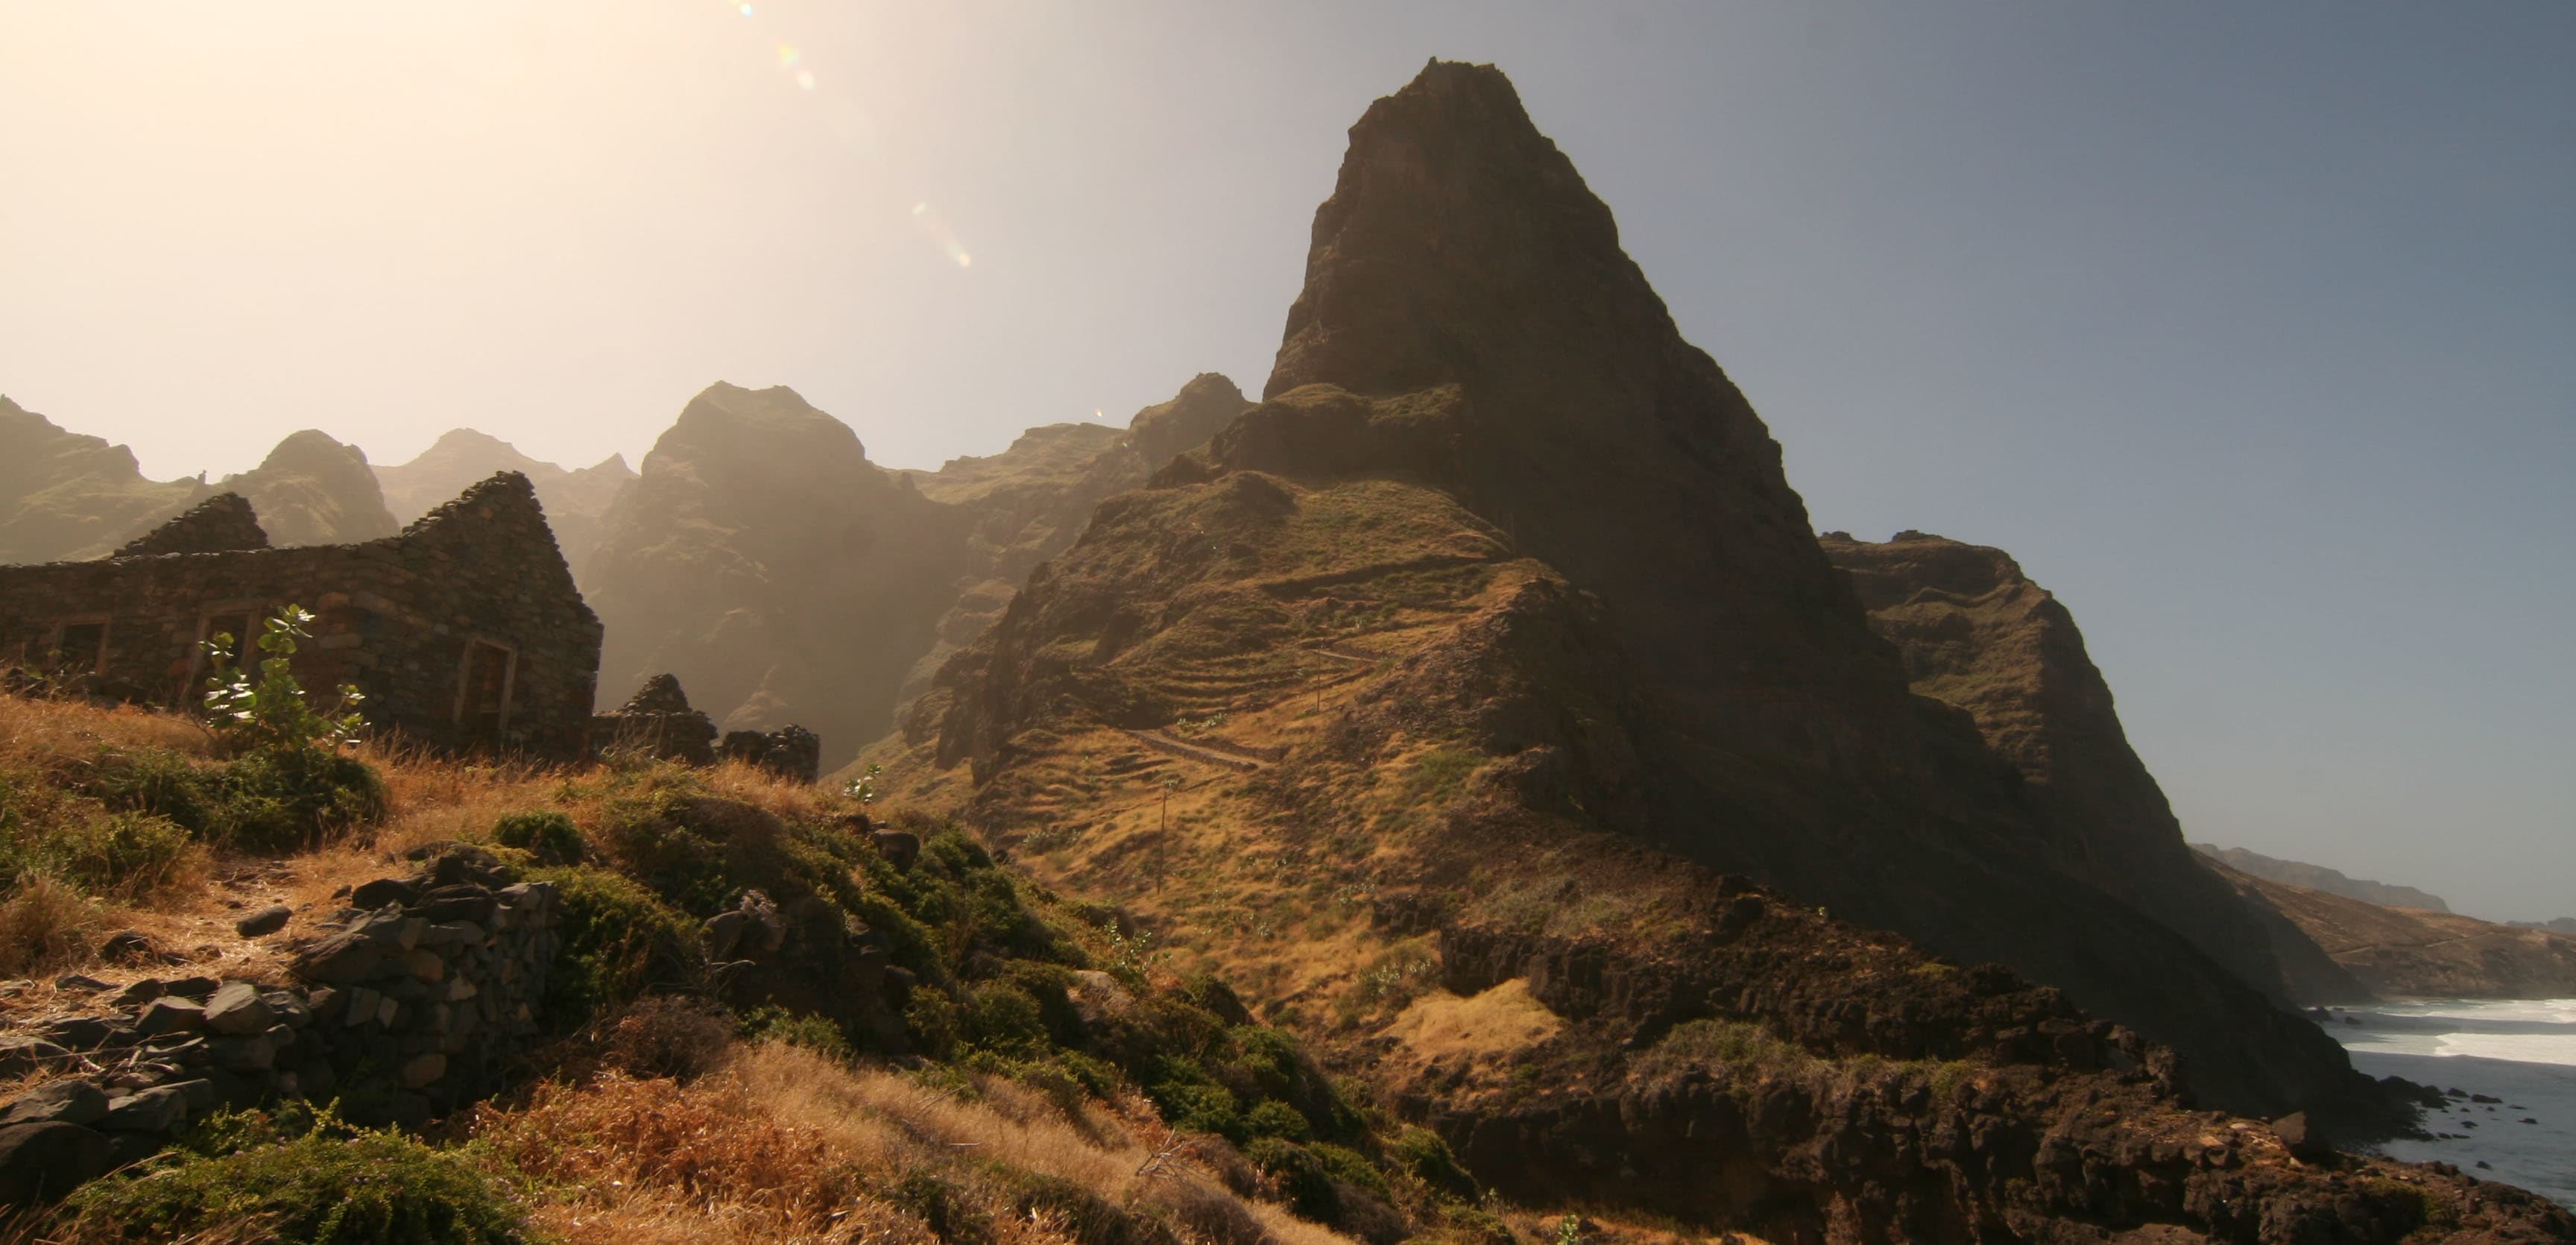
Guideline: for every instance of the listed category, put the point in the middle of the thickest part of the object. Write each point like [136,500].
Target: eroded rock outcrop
[1976,633]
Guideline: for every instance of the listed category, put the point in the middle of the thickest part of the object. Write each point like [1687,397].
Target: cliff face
[1976,633]
[312,490]
[64,495]
[2320,878]
[1027,504]
[1498,506]
[2418,953]
[575,500]
[764,560]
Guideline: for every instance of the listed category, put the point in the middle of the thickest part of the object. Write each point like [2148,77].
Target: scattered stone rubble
[406,1006]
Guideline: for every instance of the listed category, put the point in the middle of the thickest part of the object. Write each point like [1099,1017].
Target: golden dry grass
[779,1143]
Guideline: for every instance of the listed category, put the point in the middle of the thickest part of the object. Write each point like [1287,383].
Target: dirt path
[1161,742]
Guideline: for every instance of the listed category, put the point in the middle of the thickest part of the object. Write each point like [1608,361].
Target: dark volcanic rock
[41,1162]
[1978,634]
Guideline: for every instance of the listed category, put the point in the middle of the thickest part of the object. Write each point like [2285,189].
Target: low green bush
[618,939]
[549,838]
[814,1033]
[266,800]
[1422,1152]
[330,1184]
[120,854]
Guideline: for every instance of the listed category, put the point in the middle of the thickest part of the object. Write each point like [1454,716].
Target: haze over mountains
[1482,698]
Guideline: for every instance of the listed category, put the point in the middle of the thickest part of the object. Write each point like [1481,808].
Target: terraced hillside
[1502,565]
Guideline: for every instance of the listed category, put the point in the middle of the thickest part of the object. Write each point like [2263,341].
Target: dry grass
[47,926]
[779,1143]
[44,730]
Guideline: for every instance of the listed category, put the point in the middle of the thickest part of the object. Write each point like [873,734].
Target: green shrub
[268,800]
[1001,1017]
[284,799]
[618,938]
[330,1184]
[549,838]
[1422,1152]
[815,1033]
[1301,1175]
[1275,1119]
[681,865]
[120,854]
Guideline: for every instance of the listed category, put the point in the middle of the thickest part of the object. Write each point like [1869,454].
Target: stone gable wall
[399,617]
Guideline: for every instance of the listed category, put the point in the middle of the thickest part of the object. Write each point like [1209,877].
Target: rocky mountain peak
[1453,226]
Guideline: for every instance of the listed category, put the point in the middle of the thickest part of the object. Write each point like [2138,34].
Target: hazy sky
[2249,328]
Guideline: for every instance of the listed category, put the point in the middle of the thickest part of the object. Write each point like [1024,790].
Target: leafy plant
[864,787]
[274,711]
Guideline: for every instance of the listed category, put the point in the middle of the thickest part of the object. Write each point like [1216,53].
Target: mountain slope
[313,490]
[2418,953]
[65,496]
[764,560]
[2320,878]
[1028,503]
[575,500]
[1497,526]
[1976,633]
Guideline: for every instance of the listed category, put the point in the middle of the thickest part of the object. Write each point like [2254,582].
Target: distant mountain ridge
[2320,878]
[575,499]
[784,577]
[66,496]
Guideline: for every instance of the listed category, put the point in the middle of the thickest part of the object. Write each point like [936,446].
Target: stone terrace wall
[407,1007]
[400,617]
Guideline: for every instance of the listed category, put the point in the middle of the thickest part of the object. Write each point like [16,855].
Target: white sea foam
[2520,1051]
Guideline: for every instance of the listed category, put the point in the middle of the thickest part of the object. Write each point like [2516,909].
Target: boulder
[41,1162]
[156,1110]
[264,922]
[127,946]
[169,1014]
[2305,1141]
[68,1100]
[899,847]
[383,891]
[238,1009]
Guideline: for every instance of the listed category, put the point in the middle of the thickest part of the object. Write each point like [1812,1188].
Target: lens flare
[926,219]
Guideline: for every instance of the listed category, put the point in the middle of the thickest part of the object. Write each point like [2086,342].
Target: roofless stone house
[464,631]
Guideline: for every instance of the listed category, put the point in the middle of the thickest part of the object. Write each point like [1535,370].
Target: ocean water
[2522,1051]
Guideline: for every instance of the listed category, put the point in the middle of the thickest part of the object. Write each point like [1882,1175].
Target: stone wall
[405,1007]
[463,631]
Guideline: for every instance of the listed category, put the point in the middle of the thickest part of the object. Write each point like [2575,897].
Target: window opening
[81,647]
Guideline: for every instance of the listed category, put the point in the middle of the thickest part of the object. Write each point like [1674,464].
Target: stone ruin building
[658,722]
[464,631]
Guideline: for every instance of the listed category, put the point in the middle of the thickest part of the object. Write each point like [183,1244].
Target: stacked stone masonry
[405,1007]
[464,631]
